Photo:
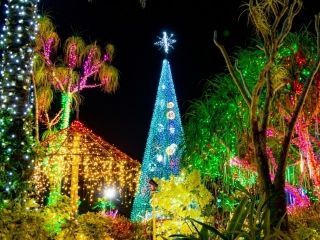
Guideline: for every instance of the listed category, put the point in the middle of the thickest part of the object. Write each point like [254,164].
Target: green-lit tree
[16,96]
[273,22]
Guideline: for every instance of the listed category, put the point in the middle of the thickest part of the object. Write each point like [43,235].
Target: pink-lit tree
[82,67]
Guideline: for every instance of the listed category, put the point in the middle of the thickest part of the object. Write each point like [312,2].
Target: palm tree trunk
[66,103]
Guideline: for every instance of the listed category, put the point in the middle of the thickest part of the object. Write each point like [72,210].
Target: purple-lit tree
[83,67]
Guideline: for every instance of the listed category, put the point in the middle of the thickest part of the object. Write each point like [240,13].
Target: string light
[16,92]
[85,158]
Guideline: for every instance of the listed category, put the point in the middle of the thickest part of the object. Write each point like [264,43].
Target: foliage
[219,132]
[104,205]
[56,215]
[88,226]
[27,221]
[178,198]
[269,101]
[250,220]
[22,221]
[94,226]
[306,221]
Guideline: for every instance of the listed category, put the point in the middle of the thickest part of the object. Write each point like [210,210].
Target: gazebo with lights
[75,159]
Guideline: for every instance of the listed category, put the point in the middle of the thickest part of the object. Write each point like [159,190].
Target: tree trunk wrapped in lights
[86,162]
[16,96]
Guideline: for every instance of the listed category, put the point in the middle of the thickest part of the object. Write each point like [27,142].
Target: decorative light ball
[171,149]
[109,193]
[160,127]
[171,115]
[159,158]
[170,105]
[172,130]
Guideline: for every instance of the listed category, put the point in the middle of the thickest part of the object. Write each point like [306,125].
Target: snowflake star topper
[165,42]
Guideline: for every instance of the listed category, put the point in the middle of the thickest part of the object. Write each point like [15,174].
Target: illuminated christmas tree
[16,95]
[164,144]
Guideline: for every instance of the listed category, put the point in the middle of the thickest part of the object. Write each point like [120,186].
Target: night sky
[123,118]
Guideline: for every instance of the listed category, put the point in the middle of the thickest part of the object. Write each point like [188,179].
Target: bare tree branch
[242,79]
[231,69]
[317,27]
[279,17]
[279,178]
[294,9]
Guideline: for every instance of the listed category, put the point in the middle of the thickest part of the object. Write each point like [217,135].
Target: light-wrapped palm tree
[83,66]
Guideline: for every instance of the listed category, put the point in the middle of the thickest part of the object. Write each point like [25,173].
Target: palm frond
[61,76]
[278,75]
[110,52]
[93,51]
[44,97]
[40,73]
[76,100]
[109,78]
[74,77]
[73,47]
[46,33]
[259,19]
[45,25]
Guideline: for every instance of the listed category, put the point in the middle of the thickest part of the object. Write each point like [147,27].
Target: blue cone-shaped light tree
[165,140]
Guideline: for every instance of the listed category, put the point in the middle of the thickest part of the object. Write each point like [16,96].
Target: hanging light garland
[86,162]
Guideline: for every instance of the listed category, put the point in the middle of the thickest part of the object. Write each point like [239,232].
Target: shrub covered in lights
[165,140]
[92,226]
[22,221]
[218,129]
[178,198]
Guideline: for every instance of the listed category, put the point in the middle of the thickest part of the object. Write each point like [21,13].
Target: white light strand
[16,90]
